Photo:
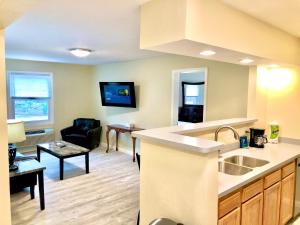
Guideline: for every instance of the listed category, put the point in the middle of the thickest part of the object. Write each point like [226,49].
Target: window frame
[11,100]
[183,83]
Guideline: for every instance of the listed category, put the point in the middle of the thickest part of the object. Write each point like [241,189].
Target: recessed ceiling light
[246,61]
[207,52]
[80,52]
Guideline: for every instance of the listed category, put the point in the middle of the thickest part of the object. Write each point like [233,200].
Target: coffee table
[63,152]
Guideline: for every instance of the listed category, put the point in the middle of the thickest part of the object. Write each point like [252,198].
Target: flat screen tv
[120,94]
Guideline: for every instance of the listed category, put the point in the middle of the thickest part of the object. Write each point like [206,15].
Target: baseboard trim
[113,148]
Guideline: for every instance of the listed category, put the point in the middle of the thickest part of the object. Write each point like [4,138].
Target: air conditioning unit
[34,137]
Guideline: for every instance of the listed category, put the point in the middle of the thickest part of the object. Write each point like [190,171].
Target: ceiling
[110,28]
[283,14]
[12,9]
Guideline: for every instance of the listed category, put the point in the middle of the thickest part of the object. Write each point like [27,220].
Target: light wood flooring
[296,222]
[108,195]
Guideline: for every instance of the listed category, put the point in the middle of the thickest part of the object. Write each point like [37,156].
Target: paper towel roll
[274,132]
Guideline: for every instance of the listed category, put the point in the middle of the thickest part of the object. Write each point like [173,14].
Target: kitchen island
[180,177]
[179,172]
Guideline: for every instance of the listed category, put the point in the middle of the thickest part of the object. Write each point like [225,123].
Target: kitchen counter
[277,154]
[179,137]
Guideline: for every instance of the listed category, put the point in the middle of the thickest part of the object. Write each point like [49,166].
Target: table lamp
[16,133]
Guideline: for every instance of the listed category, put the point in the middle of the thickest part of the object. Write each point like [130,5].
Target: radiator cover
[33,139]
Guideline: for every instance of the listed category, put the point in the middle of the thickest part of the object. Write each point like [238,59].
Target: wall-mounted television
[120,94]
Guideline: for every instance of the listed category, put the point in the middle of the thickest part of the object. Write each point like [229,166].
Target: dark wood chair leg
[107,140]
[133,148]
[38,153]
[61,168]
[117,140]
[138,219]
[41,189]
[87,163]
[32,195]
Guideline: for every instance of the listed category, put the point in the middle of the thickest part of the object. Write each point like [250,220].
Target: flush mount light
[207,53]
[80,52]
[246,61]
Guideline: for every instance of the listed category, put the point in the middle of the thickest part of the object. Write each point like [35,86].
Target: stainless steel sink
[246,161]
[233,169]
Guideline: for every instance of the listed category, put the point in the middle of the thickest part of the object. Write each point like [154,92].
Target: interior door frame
[176,89]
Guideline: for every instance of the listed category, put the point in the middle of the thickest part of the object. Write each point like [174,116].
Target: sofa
[85,132]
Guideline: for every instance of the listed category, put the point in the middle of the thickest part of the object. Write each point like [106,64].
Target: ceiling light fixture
[246,61]
[80,52]
[207,53]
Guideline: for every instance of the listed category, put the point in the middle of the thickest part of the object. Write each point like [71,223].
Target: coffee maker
[257,138]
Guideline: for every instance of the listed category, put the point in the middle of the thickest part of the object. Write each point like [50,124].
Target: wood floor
[296,222]
[108,195]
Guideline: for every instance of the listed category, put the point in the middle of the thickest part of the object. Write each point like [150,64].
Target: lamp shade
[16,131]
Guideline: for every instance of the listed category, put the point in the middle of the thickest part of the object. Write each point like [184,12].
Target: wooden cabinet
[288,169]
[232,218]
[252,190]
[252,211]
[272,205]
[229,203]
[266,201]
[272,179]
[287,198]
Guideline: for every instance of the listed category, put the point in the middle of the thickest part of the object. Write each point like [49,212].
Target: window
[30,96]
[193,93]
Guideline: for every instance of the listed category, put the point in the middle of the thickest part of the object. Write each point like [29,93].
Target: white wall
[275,93]
[4,185]
[179,185]
[153,80]
[9,11]
[71,89]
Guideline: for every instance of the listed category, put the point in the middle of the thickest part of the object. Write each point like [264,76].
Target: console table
[121,129]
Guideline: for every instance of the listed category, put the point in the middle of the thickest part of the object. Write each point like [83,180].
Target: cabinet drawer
[273,178]
[289,169]
[230,203]
[232,218]
[252,190]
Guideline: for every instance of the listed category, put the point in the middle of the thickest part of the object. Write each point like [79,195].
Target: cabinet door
[287,198]
[252,211]
[272,205]
[232,218]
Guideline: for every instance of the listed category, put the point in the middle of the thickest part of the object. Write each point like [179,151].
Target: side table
[30,169]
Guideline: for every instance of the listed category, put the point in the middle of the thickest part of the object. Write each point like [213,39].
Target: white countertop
[277,154]
[177,136]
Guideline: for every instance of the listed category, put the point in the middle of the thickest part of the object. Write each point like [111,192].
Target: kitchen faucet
[236,135]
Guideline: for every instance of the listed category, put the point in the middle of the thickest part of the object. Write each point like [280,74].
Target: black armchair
[84,132]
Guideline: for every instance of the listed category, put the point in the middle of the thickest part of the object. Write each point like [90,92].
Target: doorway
[189,87]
